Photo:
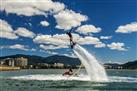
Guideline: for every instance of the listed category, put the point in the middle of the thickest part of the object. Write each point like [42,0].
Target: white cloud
[62,40]
[15,46]
[49,51]
[57,39]
[63,37]
[52,47]
[52,52]
[100,45]
[32,49]
[24,32]
[117,46]
[49,39]
[70,55]
[44,23]
[128,28]
[68,19]
[88,40]
[105,37]
[18,46]
[85,29]
[31,7]
[6,30]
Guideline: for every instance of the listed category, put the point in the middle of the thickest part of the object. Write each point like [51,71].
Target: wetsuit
[71,39]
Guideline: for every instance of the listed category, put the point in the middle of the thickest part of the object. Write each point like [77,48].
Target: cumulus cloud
[17,46]
[100,45]
[57,39]
[52,47]
[105,37]
[88,40]
[85,29]
[128,28]
[24,32]
[52,52]
[6,30]
[49,39]
[49,51]
[31,7]
[62,40]
[117,46]
[32,49]
[44,23]
[68,19]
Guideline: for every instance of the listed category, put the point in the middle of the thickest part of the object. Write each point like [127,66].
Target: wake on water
[59,77]
[95,71]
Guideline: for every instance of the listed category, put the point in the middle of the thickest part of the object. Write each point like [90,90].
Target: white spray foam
[59,77]
[53,77]
[95,71]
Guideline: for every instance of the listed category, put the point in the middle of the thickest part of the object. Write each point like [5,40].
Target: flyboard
[72,45]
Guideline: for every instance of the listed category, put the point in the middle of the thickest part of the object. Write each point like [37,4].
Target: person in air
[69,72]
[72,44]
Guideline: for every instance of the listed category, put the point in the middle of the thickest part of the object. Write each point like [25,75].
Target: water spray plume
[95,71]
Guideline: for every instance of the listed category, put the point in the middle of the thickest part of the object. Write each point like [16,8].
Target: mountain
[130,65]
[63,59]
[112,65]
[32,59]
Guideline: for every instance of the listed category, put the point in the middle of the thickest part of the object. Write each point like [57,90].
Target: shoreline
[8,68]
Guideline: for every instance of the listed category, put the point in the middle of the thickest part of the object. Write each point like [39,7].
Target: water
[52,80]
[95,71]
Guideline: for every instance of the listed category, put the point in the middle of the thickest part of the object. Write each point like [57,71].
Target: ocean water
[52,80]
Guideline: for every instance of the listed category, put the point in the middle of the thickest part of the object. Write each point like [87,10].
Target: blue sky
[106,28]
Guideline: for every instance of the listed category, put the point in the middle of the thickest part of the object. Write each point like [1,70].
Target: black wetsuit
[71,39]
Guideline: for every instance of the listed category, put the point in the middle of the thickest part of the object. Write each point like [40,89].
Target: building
[8,62]
[21,62]
[58,65]
[41,65]
[11,62]
[2,62]
[113,66]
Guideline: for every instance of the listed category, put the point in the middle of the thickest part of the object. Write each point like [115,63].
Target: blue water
[52,80]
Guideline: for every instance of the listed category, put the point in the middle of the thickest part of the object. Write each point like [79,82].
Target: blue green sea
[52,80]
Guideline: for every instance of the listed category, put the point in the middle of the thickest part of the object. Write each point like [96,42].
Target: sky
[105,28]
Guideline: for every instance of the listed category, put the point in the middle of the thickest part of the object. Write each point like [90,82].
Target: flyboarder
[72,43]
[69,72]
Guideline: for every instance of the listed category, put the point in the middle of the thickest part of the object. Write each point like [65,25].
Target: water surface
[52,80]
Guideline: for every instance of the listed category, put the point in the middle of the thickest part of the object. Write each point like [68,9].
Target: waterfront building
[58,65]
[21,62]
